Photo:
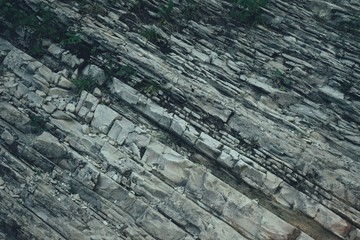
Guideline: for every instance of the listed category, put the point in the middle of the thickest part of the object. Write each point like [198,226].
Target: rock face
[209,129]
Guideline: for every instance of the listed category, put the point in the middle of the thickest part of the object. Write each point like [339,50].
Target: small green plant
[38,26]
[125,72]
[36,49]
[151,35]
[84,83]
[94,9]
[154,37]
[138,6]
[247,11]
[17,17]
[189,9]
[280,80]
[71,38]
[150,88]
[165,11]
[37,124]
[114,69]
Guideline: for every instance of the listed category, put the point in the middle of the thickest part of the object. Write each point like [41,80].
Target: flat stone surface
[49,107]
[49,146]
[7,137]
[55,50]
[13,116]
[59,92]
[65,83]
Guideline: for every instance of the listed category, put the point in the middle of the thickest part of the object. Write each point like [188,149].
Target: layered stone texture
[203,142]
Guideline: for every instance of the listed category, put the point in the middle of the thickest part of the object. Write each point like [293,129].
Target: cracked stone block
[298,201]
[81,100]
[159,226]
[332,221]
[139,137]
[13,116]
[244,214]
[7,137]
[273,227]
[190,134]
[209,145]
[61,115]
[59,92]
[104,118]
[167,162]
[152,110]
[88,175]
[49,107]
[196,220]
[95,72]
[125,92]
[55,50]
[178,125]
[252,176]
[111,153]
[226,160]
[49,146]
[271,183]
[83,112]
[65,83]
[71,60]
[45,73]
[90,102]
[166,120]
[120,130]
[21,91]
[16,60]
[40,83]
[35,99]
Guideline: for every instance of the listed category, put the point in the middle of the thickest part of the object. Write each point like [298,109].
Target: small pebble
[97,92]
[70,107]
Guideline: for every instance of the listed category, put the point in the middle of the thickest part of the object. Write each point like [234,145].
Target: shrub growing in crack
[150,88]
[280,80]
[247,11]
[165,11]
[151,35]
[84,83]
[154,37]
[114,69]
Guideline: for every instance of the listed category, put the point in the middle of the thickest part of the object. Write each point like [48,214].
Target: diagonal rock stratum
[213,129]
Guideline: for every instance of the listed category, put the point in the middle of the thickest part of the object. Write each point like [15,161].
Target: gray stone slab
[104,118]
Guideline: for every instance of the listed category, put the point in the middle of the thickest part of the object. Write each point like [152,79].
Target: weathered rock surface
[206,140]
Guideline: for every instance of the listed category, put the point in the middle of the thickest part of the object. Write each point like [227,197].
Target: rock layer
[225,131]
